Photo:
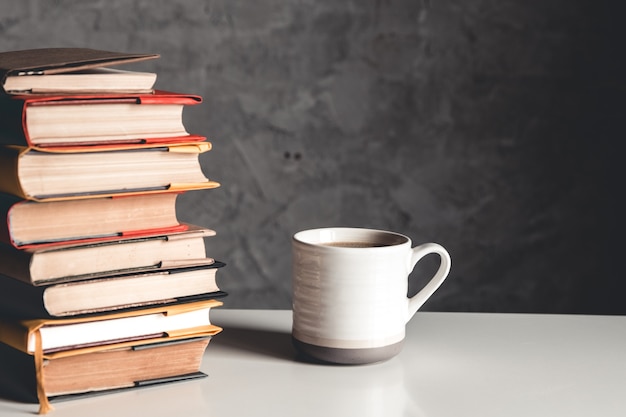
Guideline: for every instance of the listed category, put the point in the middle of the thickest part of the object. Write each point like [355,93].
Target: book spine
[17,375]
[19,299]
[12,333]
[5,232]
[15,263]
[12,122]
[9,177]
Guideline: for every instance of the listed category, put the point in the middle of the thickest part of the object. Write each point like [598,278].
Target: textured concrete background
[486,126]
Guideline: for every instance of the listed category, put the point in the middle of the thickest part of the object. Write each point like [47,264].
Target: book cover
[27,70]
[78,334]
[89,119]
[70,173]
[72,262]
[48,339]
[101,369]
[107,294]
[29,223]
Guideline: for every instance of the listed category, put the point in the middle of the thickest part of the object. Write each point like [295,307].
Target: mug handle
[424,294]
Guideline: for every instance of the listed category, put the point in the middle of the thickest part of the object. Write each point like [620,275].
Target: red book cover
[17,125]
[28,224]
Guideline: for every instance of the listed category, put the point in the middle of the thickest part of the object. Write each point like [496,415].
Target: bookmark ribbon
[44,404]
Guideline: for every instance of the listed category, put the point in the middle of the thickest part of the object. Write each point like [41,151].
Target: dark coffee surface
[355,244]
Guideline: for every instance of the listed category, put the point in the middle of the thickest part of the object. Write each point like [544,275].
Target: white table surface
[453,365]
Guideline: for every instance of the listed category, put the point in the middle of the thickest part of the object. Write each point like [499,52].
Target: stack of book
[101,286]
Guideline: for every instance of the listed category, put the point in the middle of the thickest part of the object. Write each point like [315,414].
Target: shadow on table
[263,342]
[268,343]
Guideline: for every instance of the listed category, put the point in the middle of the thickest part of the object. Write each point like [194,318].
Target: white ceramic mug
[350,285]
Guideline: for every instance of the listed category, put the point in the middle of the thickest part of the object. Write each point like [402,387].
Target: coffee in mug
[350,285]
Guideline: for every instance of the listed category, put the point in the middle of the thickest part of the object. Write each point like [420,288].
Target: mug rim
[319,244]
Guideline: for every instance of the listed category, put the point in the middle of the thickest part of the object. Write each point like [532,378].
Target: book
[72,70]
[62,120]
[43,338]
[56,175]
[29,223]
[63,334]
[72,262]
[100,370]
[111,293]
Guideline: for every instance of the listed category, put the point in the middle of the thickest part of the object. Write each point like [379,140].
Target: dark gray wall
[486,126]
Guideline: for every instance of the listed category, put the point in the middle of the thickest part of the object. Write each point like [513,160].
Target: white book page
[53,337]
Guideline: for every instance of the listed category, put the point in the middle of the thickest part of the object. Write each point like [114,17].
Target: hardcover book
[72,262]
[109,352]
[62,120]
[30,223]
[72,174]
[70,334]
[101,369]
[72,70]
[111,293]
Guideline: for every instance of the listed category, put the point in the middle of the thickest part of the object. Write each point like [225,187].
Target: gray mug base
[347,356]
